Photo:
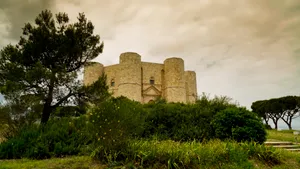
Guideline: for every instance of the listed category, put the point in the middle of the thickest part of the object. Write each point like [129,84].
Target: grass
[170,154]
[283,135]
[214,154]
[74,162]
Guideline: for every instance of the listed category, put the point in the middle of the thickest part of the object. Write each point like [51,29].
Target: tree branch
[64,99]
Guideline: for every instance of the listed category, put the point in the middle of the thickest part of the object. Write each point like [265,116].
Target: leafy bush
[238,124]
[177,122]
[184,122]
[114,122]
[59,137]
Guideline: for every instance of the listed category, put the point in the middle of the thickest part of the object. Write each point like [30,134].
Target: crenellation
[146,81]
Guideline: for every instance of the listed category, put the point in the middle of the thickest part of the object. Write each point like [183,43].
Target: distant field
[283,135]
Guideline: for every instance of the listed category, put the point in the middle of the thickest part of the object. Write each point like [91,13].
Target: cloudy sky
[245,49]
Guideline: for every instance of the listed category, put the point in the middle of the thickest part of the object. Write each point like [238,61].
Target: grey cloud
[250,46]
[18,12]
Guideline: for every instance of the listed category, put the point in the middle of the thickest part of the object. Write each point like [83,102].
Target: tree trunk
[288,121]
[46,113]
[276,126]
[290,126]
[266,121]
[47,109]
[275,121]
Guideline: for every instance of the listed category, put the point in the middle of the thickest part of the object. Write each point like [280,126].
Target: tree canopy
[45,64]
[284,108]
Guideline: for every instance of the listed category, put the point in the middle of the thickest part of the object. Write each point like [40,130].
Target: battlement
[146,81]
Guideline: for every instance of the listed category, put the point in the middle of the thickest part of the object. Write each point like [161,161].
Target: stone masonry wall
[131,78]
[130,74]
[112,78]
[92,72]
[191,86]
[175,90]
[151,71]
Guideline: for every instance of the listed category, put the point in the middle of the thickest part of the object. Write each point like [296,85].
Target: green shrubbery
[114,122]
[178,122]
[238,124]
[59,137]
[110,131]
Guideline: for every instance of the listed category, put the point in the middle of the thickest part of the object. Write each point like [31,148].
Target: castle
[144,81]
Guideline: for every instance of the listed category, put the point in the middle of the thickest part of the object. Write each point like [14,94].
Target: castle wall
[112,78]
[151,71]
[130,82]
[191,86]
[174,80]
[92,72]
[131,78]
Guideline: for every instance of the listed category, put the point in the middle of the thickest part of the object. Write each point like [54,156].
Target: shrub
[59,137]
[177,122]
[114,122]
[238,124]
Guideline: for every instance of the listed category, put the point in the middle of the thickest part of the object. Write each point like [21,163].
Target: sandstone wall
[151,71]
[131,78]
[92,72]
[112,76]
[174,80]
[191,86]
[130,73]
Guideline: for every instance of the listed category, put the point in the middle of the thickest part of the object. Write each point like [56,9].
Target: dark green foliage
[184,122]
[59,137]
[285,108]
[68,111]
[45,64]
[238,124]
[177,122]
[114,122]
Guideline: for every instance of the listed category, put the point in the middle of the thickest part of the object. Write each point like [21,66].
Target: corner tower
[130,74]
[174,87]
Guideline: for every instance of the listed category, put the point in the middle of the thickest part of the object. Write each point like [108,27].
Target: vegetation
[285,108]
[170,154]
[38,78]
[42,69]
[58,138]
[284,135]
[82,162]
[239,125]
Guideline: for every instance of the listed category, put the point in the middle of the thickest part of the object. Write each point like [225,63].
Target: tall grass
[214,154]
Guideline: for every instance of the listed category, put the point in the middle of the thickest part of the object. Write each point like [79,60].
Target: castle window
[152,80]
[112,82]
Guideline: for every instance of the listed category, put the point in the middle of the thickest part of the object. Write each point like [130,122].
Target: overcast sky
[245,49]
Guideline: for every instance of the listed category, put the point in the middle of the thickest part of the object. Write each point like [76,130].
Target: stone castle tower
[144,81]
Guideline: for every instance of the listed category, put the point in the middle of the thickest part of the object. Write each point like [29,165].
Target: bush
[184,122]
[59,137]
[114,122]
[176,121]
[238,124]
